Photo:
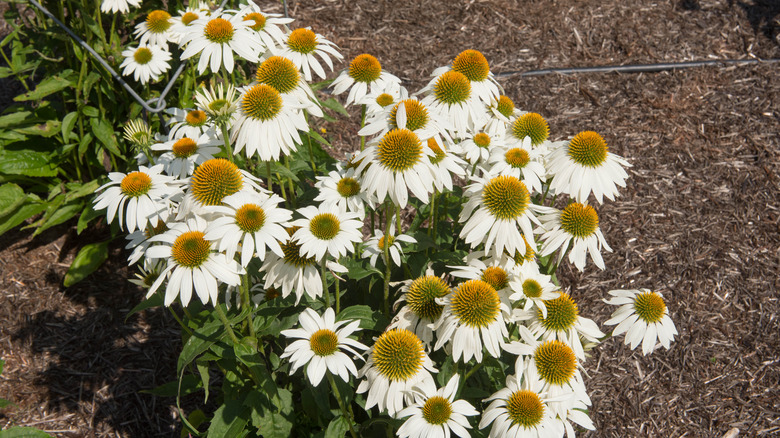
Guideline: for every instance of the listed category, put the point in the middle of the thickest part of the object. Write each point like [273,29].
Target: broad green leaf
[79,190]
[369,318]
[23,213]
[87,216]
[90,111]
[5,403]
[337,428]
[89,258]
[316,401]
[195,419]
[23,432]
[14,119]
[105,134]
[68,123]
[26,162]
[46,87]
[203,371]
[318,137]
[202,338]
[272,424]
[335,105]
[60,215]
[248,355]
[189,385]
[359,269]
[11,197]
[281,170]
[229,420]
[47,129]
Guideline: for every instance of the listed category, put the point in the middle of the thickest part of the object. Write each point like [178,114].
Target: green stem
[181,323]
[386,294]
[226,323]
[546,189]
[269,183]
[325,290]
[290,183]
[338,295]
[226,140]
[472,371]
[246,303]
[344,411]
[398,219]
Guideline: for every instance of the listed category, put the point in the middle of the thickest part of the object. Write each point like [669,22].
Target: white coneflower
[474,65]
[187,123]
[533,287]
[267,25]
[282,74]
[499,211]
[396,165]
[156,29]
[145,63]
[396,364]
[252,219]
[520,161]
[301,47]
[319,343]
[643,316]
[192,263]
[364,75]
[444,165]
[577,224]
[343,190]
[421,310]
[326,230]
[375,246]
[138,198]
[121,6]
[218,102]
[436,413]
[450,95]
[181,155]
[216,38]
[584,165]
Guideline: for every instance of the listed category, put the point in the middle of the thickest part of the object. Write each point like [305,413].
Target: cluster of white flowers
[198,221]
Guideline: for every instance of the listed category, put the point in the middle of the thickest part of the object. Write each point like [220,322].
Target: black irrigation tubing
[636,68]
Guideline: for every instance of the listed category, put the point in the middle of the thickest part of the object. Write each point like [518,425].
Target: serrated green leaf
[46,87]
[89,258]
[229,420]
[11,197]
[273,425]
[359,269]
[23,432]
[23,213]
[68,123]
[190,384]
[47,129]
[27,162]
[195,419]
[202,338]
[11,120]
[87,216]
[155,300]
[90,111]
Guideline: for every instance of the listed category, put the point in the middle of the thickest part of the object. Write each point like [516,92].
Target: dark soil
[699,221]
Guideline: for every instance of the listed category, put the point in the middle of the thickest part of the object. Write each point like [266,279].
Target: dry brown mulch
[699,221]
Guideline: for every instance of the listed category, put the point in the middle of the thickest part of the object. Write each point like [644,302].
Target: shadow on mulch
[88,360]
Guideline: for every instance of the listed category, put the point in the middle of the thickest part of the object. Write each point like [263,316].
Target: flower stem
[325,290]
[181,323]
[246,304]
[269,183]
[344,411]
[338,294]
[226,323]
[362,124]
[388,221]
[226,141]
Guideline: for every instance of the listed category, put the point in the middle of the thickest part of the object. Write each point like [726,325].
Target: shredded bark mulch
[699,220]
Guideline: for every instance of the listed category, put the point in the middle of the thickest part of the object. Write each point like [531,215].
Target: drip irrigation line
[637,68]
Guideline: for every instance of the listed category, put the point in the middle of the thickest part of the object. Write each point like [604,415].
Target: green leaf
[5,403]
[105,133]
[359,269]
[335,105]
[78,190]
[59,214]
[195,419]
[48,129]
[189,385]
[203,371]
[89,258]
[22,214]
[23,432]
[11,197]
[86,217]
[155,300]
[369,318]
[272,424]
[47,86]
[229,420]
[90,111]
[201,340]
[318,137]
[247,354]
[26,162]
[68,123]
[13,119]
[337,428]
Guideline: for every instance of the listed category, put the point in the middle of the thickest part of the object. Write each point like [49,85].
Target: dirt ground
[699,221]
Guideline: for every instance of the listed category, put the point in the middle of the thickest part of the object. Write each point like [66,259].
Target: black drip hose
[637,68]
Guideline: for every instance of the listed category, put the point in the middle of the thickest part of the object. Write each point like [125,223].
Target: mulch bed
[699,221]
